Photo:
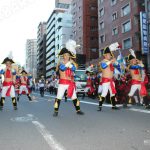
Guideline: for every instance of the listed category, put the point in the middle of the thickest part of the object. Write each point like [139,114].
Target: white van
[80,80]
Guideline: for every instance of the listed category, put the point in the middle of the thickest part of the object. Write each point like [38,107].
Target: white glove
[68,64]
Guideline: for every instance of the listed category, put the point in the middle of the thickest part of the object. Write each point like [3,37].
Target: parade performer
[136,68]
[24,85]
[8,84]
[89,83]
[66,70]
[107,83]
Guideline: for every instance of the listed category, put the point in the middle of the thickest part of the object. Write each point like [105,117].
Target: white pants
[87,89]
[5,89]
[61,90]
[105,88]
[99,89]
[23,88]
[134,88]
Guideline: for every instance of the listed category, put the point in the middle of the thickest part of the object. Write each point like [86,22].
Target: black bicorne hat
[107,50]
[65,50]
[23,71]
[7,59]
[130,57]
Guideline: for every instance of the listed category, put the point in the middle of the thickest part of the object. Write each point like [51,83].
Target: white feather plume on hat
[114,46]
[132,52]
[71,46]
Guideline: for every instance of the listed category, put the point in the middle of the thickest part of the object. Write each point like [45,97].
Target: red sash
[8,84]
[8,74]
[105,80]
[71,87]
[112,67]
[136,71]
[143,91]
[69,72]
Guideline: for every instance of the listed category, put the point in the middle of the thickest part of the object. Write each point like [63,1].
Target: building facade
[62,4]
[119,21]
[31,57]
[147,10]
[85,27]
[59,27]
[41,50]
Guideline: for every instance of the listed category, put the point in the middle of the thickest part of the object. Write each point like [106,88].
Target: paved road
[33,127]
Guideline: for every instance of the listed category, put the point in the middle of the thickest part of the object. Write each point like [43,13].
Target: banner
[144,32]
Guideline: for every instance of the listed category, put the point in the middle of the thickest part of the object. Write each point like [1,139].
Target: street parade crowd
[118,82]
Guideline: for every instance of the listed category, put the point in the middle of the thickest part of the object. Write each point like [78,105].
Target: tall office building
[41,50]
[85,27]
[62,4]
[31,57]
[59,30]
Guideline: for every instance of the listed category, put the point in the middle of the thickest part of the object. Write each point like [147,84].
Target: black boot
[65,98]
[113,101]
[2,101]
[18,97]
[56,107]
[14,103]
[76,103]
[130,101]
[29,97]
[101,101]
[146,102]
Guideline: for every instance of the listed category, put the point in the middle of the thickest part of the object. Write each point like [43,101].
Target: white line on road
[91,103]
[47,136]
[106,105]
[140,110]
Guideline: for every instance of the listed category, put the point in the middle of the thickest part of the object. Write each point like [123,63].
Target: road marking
[47,136]
[27,118]
[91,103]
[106,105]
[139,110]
[147,142]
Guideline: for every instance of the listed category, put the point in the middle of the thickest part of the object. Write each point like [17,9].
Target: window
[126,10]
[93,18]
[93,49]
[93,38]
[101,25]
[114,16]
[101,1]
[114,31]
[101,12]
[113,2]
[126,27]
[102,38]
[93,8]
[58,46]
[93,28]
[127,43]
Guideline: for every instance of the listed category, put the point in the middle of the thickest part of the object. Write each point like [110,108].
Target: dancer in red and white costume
[66,81]
[107,83]
[139,81]
[8,84]
[24,85]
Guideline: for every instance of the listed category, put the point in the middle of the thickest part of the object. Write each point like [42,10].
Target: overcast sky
[19,20]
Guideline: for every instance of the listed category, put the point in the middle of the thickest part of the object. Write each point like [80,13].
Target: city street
[33,127]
